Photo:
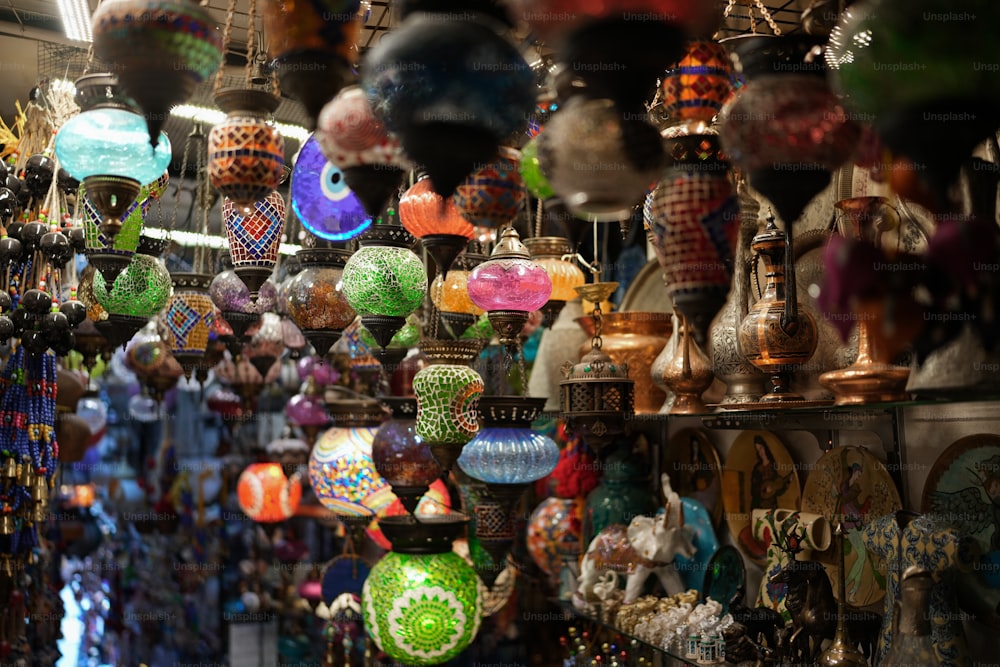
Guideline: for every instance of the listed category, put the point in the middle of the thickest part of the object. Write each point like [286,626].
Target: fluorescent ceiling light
[214,117]
[75,16]
[194,239]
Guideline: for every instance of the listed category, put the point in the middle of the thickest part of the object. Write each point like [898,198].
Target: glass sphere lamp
[509,286]
[232,297]
[438,224]
[422,601]
[384,281]
[492,195]
[507,455]
[107,148]
[450,295]
[401,457]
[139,293]
[266,495]
[307,411]
[355,140]
[188,319]
[316,300]
[554,254]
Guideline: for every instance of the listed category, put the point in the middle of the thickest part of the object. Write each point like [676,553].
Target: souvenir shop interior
[580,333]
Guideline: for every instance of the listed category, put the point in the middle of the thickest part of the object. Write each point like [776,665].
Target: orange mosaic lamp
[697,86]
[439,225]
[266,495]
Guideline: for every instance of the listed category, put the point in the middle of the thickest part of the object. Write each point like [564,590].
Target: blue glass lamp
[321,198]
[107,147]
[506,455]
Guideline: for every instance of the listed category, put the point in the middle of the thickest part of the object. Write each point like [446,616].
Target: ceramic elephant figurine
[647,546]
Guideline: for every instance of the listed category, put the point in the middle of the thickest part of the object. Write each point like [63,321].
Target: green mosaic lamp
[138,293]
[422,602]
[448,392]
[384,281]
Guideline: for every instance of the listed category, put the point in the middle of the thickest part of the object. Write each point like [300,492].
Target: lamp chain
[251,41]
[227,33]
[597,341]
[522,368]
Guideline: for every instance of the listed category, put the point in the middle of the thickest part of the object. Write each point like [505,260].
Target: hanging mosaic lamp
[532,176]
[596,395]
[421,602]
[696,86]
[245,380]
[107,148]
[321,198]
[232,297]
[695,218]
[355,140]
[384,281]
[341,469]
[435,502]
[599,161]
[316,301]
[509,286]
[266,495]
[188,319]
[551,253]
[448,392]
[110,255]
[493,194]
[161,49]
[449,113]
[246,153]
[927,115]
[140,292]
[507,455]
[401,457]
[438,224]
[254,235]
[312,48]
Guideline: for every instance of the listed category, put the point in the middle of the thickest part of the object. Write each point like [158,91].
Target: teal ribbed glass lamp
[107,147]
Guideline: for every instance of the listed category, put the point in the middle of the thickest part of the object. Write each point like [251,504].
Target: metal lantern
[596,395]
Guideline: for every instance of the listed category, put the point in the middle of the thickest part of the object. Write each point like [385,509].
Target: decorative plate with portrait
[759,474]
[692,462]
[850,485]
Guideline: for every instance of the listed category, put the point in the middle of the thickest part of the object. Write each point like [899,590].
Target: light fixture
[422,602]
[75,15]
[266,495]
[254,233]
[509,286]
[384,281]
[492,195]
[188,319]
[448,392]
[341,469]
[401,456]
[316,301]
[550,253]
[438,224]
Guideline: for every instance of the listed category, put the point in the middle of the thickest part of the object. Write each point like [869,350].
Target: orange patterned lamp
[697,86]
[439,225]
[266,495]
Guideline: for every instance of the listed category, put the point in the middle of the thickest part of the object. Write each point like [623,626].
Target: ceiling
[34,48]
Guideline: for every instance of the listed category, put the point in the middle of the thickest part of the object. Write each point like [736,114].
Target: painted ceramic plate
[692,462]
[850,485]
[693,570]
[964,488]
[725,577]
[759,474]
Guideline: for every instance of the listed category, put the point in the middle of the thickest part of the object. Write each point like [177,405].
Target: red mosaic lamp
[254,235]
[439,224]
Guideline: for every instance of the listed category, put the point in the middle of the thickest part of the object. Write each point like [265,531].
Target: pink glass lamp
[509,286]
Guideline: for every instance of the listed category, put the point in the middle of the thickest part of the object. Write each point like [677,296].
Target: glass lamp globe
[401,456]
[548,252]
[451,294]
[266,495]
[508,286]
[142,289]
[438,223]
[343,475]
[110,140]
[504,455]
[316,301]
[422,602]
[384,281]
